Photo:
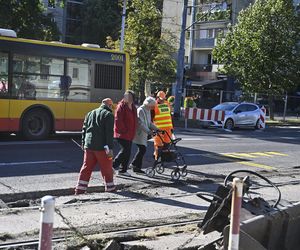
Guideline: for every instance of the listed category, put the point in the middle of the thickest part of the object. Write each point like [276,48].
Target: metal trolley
[166,154]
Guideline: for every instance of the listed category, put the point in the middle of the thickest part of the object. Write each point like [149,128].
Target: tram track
[109,233]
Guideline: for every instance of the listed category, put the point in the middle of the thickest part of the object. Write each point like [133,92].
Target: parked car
[238,115]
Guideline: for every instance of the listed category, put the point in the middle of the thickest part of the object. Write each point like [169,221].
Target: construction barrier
[216,115]
[46,228]
[262,120]
[204,114]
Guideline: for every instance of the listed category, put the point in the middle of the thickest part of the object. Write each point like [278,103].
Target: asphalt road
[204,150]
[46,166]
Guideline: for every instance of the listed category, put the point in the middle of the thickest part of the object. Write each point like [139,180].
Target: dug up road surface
[30,170]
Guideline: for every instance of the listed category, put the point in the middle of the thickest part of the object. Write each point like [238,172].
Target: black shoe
[138,171]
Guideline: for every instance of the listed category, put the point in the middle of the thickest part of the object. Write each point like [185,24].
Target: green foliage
[214,16]
[27,18]
[262,50]
[151,54]
[100,19]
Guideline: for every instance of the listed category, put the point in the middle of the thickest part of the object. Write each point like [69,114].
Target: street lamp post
[123,26]
[180,62]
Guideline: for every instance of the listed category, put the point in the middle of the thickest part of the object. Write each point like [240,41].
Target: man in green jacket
[97,143]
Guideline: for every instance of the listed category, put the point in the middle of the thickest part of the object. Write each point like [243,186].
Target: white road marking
[193,139]
[288,138]
[187,139]
[192,155]
[27,163]
[29,142]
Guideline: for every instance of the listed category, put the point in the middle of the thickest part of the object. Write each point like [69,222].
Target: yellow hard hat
[161,95]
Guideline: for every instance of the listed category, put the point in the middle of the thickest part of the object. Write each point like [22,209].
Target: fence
[284,106]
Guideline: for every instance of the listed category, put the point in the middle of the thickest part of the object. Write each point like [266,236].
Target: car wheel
[229,124]
[257,124]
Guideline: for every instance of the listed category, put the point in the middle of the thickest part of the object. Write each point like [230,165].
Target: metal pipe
[193,16]
[221,96]
[285,107]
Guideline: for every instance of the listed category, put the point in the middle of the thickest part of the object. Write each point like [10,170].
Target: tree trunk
[271,106]
[141,91]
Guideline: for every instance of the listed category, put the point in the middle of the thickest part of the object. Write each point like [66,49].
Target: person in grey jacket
[144,129]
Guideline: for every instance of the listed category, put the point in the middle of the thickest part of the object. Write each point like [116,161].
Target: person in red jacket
[124,131]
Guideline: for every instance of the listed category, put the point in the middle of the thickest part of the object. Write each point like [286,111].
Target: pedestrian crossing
[252,155]
[246,159]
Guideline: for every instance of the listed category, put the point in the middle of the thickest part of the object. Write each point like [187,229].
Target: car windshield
[226,106]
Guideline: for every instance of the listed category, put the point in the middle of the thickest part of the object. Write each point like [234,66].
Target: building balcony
[208,43]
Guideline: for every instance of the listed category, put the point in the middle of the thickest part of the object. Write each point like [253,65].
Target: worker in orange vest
[163,121]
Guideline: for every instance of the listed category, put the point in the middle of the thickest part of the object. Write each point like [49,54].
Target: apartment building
[67,18]
[214,18]
[172,20]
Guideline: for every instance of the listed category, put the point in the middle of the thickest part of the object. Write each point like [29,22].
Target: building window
[75,73]
[51,4]
[188,34]
[189,10]
[210,33]
[209,59]
[45,71]
[108,76]
[186,59]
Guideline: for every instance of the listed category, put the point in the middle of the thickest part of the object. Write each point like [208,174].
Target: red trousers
[91,158]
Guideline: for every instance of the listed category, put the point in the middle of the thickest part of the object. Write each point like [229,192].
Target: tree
[262,49]
[151,54]
[100,18]
[28,19]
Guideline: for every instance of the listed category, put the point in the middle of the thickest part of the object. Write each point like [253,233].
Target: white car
[238,115]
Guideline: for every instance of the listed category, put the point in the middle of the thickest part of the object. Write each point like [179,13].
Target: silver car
[238,115]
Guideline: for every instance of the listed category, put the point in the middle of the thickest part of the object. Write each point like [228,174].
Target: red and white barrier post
[236,205]
[47,217]
[262,119]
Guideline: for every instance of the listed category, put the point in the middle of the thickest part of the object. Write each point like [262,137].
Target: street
[32,169]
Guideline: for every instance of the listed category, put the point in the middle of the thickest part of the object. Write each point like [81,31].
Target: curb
[283,124]
[56,192]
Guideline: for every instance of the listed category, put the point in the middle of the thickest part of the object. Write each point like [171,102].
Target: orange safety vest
[163,118]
